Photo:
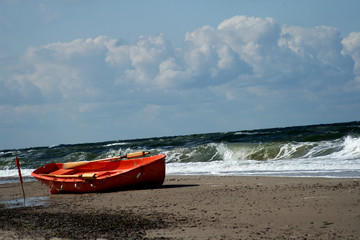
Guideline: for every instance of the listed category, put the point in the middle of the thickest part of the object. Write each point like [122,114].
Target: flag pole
[21,181]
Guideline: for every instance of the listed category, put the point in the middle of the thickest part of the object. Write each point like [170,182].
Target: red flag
[18,167]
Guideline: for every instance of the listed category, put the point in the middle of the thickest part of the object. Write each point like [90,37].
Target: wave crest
[348,147]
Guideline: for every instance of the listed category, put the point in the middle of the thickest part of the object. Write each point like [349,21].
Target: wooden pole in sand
[21,181]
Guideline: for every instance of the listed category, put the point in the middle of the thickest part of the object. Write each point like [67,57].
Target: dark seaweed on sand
[36,223]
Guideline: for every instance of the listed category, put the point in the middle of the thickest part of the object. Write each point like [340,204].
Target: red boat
[103,174]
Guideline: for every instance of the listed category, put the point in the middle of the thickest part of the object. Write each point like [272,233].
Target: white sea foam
[350,149]
[115,144]
[293,167]
[338,158]
[14,173]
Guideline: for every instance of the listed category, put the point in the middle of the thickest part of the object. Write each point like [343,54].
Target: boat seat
[63,172]
[105,173]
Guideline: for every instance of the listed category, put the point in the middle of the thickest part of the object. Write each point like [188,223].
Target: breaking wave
[331,150]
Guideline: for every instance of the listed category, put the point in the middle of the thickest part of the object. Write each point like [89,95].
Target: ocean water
[328,150]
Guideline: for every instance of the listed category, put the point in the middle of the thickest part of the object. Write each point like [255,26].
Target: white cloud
[144,62]
[250,37]
[171,74]
[352,47]
[63,71]
[242,50]
[210,59]
[319,46]
[244,61]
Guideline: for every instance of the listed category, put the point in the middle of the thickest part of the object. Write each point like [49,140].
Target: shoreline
[192,207]
[15,179]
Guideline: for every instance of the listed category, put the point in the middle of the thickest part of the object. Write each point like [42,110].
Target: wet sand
[190,207]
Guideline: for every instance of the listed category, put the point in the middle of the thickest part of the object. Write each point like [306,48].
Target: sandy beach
[189,207]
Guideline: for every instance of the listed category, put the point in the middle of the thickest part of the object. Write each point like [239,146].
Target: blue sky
[77,71]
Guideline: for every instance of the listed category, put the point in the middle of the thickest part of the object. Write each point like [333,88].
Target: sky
[81,71]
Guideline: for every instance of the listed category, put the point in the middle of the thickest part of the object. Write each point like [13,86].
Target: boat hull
[110,175]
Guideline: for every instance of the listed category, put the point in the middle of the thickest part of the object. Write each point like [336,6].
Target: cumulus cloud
[251,38]
[210,60]
[245,66]
[141,63]
[60,71]
[242,58]
[318,49]
[352,48]
[241,50]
